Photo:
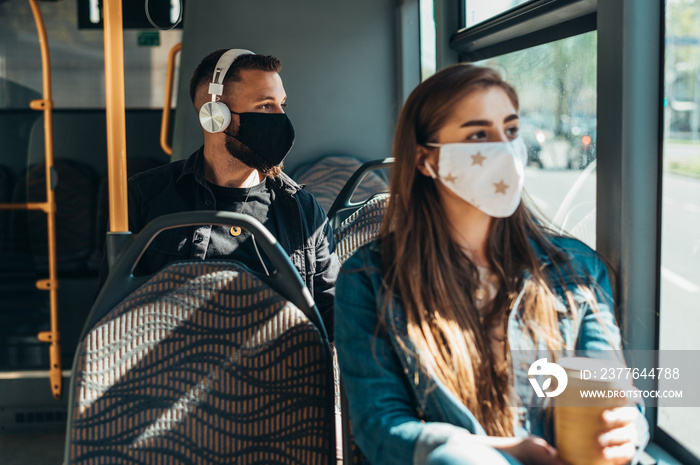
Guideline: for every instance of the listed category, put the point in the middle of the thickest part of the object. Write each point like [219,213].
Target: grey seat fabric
[204,363]
[325,178]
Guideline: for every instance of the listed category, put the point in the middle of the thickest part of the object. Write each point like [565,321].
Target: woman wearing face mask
[432,316]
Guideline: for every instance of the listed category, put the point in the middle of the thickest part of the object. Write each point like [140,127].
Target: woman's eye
[512,132]
[480,135]
[284,105]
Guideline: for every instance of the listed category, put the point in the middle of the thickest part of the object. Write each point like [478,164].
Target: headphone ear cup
[214,116]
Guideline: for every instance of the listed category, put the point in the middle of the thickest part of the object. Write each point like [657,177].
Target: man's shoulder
[166,171]
[287,186]
[156,179]
[285,183]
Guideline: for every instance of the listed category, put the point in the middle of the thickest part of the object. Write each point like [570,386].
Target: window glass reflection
[680,229]
[556,84]
[77,60]
[476,12]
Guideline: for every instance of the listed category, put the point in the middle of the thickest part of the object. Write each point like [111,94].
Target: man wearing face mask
[240,100]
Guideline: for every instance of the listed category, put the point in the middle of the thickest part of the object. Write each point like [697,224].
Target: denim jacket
[303,228]
[400,415]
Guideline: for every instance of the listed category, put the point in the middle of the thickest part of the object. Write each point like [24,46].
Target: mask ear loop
[430,170]
[427,165]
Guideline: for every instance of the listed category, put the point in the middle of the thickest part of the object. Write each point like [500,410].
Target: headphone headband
[215,116]
[216,87]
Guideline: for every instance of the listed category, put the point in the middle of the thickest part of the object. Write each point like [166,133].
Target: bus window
[556,84]
[477,12]
[680,236]
[77,60]
[427,39]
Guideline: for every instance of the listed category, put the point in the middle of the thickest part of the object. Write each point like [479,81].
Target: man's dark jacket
[303,230]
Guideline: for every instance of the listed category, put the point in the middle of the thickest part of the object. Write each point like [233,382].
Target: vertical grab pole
[165,119]
[116,118]
[46,105]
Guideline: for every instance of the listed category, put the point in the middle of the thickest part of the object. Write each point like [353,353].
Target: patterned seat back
[204,363]
[325,178]
[361,227]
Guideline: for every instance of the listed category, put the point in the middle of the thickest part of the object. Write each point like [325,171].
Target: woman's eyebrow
[477,122]
[483,122]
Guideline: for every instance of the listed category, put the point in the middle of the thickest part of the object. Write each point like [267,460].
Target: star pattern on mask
[478,159]
[450,178]
[501,187]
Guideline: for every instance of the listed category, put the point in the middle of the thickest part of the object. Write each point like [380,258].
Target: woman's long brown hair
[435,281]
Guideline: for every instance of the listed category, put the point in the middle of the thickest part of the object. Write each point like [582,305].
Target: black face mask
[270,135]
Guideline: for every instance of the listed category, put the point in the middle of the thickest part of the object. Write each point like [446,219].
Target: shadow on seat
[203,362]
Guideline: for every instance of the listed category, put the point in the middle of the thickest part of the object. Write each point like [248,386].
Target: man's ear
[425,155]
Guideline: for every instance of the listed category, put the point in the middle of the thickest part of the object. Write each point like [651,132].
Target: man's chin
[253,160]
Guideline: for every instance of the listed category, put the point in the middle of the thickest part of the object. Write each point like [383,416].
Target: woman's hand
[618,440]
[533,451]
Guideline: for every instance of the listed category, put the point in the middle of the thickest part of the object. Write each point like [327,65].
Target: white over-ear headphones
[215,116]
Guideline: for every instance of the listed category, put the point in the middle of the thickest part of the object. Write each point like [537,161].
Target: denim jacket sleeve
[384,418]
[598,328]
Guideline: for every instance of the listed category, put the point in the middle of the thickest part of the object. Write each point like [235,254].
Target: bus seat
[202,362]
[75,215]
[77,135]
[362,180]
[354,225]
[355,231]
[326,177]
[6,184]
[361,227]
[133,166]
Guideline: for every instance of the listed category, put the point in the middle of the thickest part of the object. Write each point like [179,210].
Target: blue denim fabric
[402,416]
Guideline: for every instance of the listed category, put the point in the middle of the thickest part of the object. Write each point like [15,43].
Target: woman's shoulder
[580,255]
[367,256]
[571,245]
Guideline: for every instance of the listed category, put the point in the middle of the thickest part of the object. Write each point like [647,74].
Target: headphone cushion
[214,116]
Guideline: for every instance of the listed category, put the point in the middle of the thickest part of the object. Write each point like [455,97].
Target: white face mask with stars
[488,175]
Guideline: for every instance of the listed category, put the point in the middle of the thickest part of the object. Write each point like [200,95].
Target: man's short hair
[204,72]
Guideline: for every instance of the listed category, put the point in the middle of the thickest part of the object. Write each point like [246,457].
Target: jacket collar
[542,256]
[194,165]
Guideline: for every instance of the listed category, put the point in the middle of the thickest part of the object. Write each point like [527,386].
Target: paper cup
[577,416]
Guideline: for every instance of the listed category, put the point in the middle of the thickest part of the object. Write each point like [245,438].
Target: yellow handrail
[46,105]
[116,115]
[165,119]
[43,206]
